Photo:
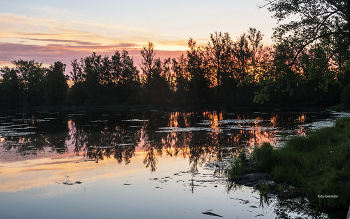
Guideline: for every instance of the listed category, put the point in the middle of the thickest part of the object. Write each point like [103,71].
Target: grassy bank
[319,163]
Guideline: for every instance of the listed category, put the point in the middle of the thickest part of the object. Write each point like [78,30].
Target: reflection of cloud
[28,174]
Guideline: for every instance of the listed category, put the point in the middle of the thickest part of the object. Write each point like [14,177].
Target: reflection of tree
[98,138]
[49,133]
[282,207]
[300,206]
[117,142]
[151,159]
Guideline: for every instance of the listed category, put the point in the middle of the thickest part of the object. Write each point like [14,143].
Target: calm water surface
[140,164]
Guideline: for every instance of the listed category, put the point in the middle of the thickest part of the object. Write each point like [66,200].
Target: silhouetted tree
[156,87]
[76,92]
[28,76]
[11,88]
[181,79]
[199,72]
[55,84]
[220,49]
[129,81]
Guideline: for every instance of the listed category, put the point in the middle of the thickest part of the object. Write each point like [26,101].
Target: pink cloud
[57,52]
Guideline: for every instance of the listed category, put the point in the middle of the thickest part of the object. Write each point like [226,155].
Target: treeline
[223,73]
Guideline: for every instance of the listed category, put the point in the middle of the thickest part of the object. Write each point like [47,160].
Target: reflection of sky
[161,163]
[26,174]
[104,193]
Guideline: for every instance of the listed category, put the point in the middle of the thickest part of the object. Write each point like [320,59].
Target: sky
[50,31]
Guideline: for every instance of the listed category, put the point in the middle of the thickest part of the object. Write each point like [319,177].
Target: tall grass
[318,163]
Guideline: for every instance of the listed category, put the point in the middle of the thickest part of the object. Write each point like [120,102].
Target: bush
[235,170]
[346,96]
[318,163]
[264,157]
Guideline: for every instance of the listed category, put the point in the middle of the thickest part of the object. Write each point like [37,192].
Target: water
[140,164]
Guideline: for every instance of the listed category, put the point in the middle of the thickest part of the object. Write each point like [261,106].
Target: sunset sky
[50,31]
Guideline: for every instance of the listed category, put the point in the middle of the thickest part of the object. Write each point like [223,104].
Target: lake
[141,164]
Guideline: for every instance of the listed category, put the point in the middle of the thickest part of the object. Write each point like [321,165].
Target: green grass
[319,163]
[237,164]
[235,170]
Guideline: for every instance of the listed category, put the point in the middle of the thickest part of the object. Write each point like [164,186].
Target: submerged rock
[262,181]
[252,179]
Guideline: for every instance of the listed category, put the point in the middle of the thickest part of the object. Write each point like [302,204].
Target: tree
[148,60]
[181,78]
[76,73]
[55,84]
[11,88]
[128,81]
[76,91]
[318,22]
[220,48]
[93,73]
[31,76]
[318,34]
[199,73]
[156,86]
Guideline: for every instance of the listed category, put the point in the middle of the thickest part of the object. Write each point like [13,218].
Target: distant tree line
[223,73]
[308,65]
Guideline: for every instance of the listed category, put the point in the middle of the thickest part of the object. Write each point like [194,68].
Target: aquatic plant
[319,163]
[235,170]
[264,189]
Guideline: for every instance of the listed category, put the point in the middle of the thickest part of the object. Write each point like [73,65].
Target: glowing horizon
[52,31]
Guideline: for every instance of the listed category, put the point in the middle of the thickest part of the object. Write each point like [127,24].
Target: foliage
[156,87]
[235,170]
[55,83]
[224,73]
[264,157]
[25,79]
[319,163]
[313,49]
[346,96]
[237,165]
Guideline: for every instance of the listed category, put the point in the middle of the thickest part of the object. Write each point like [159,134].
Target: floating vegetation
[187,129]
[320,124]
[17,134]
[256,128]
[135,120]
[99,121]
[239,121]
[124,144]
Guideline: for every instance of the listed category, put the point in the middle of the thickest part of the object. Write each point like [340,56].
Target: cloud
[99,47]
[66,41]
[13,27]
[52,53]
[37,31]
[48,40]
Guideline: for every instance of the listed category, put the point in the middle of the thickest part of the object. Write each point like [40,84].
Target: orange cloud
[66,53]
[36,31]
[48,41]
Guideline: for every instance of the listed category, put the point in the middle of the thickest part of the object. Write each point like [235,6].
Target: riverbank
[318,163]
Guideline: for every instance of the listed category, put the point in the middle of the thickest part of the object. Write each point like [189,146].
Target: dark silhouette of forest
[307,66]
